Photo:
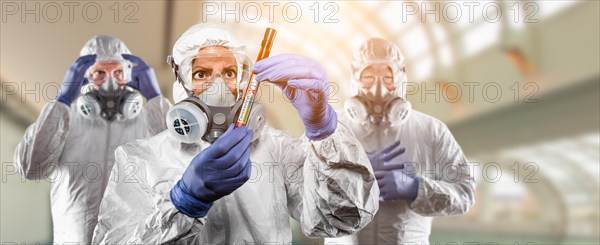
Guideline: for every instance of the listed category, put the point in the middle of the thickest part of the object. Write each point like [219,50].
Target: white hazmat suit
[327,185]
[76,154]
[446,185]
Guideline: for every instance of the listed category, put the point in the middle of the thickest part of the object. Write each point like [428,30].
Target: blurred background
[517,82]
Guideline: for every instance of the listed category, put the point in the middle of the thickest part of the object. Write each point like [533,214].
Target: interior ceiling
[35,56]
[549,158]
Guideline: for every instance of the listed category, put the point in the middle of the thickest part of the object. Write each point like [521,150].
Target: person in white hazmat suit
[244,186]
[72,146]
[420,169]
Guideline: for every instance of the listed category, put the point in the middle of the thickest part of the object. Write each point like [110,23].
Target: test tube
[250,92]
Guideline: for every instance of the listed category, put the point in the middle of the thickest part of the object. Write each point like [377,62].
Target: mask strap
[175,68]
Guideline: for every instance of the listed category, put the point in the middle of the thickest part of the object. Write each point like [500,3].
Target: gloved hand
[215,172]
[143,78]
[393,183]
[304,83]
[74,79]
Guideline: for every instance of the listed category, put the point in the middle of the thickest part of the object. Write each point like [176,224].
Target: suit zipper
[107,143]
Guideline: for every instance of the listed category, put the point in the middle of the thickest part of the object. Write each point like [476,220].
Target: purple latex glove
[215,172]
[304,83]
[74,79]
[143,78]
[393,183]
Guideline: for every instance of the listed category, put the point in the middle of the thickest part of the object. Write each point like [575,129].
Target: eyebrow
[107,69]
[209,68]
[201,67]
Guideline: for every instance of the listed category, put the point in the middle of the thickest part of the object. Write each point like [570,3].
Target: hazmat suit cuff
[59,103]
[439,198]
[338,147]
[342,195]
[62,100]
[414,189]
[54,110]
[328,127]
[422,201]
[186,203]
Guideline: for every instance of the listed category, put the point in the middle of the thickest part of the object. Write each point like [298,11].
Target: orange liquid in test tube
[250,92]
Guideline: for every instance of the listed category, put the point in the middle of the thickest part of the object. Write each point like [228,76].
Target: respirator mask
[105,97]
[378,107]
[377,104]
[379,76]
[210,86]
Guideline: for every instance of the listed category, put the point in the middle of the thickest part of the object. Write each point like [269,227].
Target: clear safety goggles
[205,76]
[204,67]
[381,83]
[370,80]
[101,71]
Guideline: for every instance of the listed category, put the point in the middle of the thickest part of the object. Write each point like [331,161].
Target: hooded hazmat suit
[76,154]
[327,185]
[446,185]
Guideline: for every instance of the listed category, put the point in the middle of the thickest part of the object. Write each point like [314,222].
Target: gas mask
[376,108]
[208,115]
[109,101]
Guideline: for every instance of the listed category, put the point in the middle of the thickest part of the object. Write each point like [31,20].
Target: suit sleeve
[43,142]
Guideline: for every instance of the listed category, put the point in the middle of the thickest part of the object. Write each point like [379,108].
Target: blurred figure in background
[74,146]
[420,168]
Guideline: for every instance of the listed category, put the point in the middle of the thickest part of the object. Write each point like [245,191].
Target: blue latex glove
[304,83]
[143,78]
[74,79]
[215,172]
[393,183]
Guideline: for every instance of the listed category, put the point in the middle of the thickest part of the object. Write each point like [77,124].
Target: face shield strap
[175,68]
